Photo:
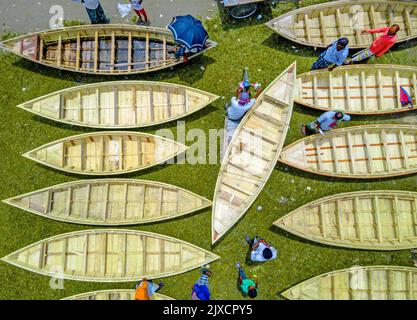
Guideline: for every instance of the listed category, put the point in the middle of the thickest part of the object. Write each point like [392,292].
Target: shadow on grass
[189,73]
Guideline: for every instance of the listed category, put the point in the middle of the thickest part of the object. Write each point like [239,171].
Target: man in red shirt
[380,45]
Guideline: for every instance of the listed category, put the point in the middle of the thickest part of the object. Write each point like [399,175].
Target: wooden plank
[377,219]
[144,251]
[364,91]
[397,88]
[368,152]
[42,255]
[83,157]
[338,23]
[106,199]
[69,202]
[61,112]
[129,52]
[85,254]
[372,20]
[134,106]
[315,92]
[59,52]
[410,285]
[116,105]
[151,105]
[408,24]
[356,215]
[164,45]
[41,48]
[124,256]
[185,95]
[147,50]
[143,200]
[385,151]
[103,154]
[98,105]
[87,202]
[126,194]
[322,27]
[80,109]
[169,106]
[380,100]
[161,201]
[323,221]
[64,254]
[347,91]
[396,213]
[331,90]
[306,27]
[339,218]
[48,202]
[350,152]
[403,147]
[162,255]
[104,252]
[121,153]
[96,49]
[334,155]
[78,52]
[113,51]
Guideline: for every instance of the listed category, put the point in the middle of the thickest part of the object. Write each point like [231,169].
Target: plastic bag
[124,9]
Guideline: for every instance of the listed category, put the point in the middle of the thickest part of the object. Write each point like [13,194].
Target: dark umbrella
[189,32]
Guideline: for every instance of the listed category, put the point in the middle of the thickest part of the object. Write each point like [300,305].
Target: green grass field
[267,55]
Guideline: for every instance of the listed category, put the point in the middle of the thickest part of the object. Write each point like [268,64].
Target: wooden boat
[106,153]
[252,153]
[117,294]
[100,49]
[110,202]
[372,220]
[362,152]
[357,89]
[110,255]
[320,24]
[359,283]
[120,104]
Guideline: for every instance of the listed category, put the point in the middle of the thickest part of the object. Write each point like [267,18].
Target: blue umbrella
[189,32]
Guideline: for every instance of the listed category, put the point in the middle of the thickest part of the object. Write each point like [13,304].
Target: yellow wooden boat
[100,49]
[116,294]
[120,104]
[371,220]
[320,24]
[111,202]
[361,152]
[252,154]
[110,255]
[357,89]
[106,153]
[359,283]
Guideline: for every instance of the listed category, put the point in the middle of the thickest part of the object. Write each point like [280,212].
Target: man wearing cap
[335,55]
[260,250]
[327,121]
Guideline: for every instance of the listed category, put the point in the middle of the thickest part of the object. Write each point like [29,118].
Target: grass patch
[240,44]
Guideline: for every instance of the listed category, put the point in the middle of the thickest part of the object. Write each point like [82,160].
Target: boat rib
[100,49]
[344,89]
[320,24]
[252,153]
[359,283]
[360,152]
[120,104]
[128,202]
[110,255]
[116,294]
[106,153]
[370,220]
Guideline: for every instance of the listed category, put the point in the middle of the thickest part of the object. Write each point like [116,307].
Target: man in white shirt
[95,11]
[261,250]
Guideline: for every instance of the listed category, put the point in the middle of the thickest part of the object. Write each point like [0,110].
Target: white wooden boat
[359,283]
[252,154]
[111,202]
[321,24]
[357,89]
[111,49]
[360,152]
[116,294]
[110,255]
[106,153]
[120,104]
[371,220]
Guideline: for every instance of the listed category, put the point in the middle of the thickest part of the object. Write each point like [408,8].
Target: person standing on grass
[248,286]
[380,45]
[95,11]
[145,289]
[260,250]
[335,55]
[140,11]
[201,289]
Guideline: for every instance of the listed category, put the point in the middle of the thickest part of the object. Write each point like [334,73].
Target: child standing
[140,10]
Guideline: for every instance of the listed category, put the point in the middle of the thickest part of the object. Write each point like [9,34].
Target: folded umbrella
[189,31]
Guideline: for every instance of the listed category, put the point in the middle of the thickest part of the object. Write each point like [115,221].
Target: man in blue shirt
[327,121]
[335,55]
